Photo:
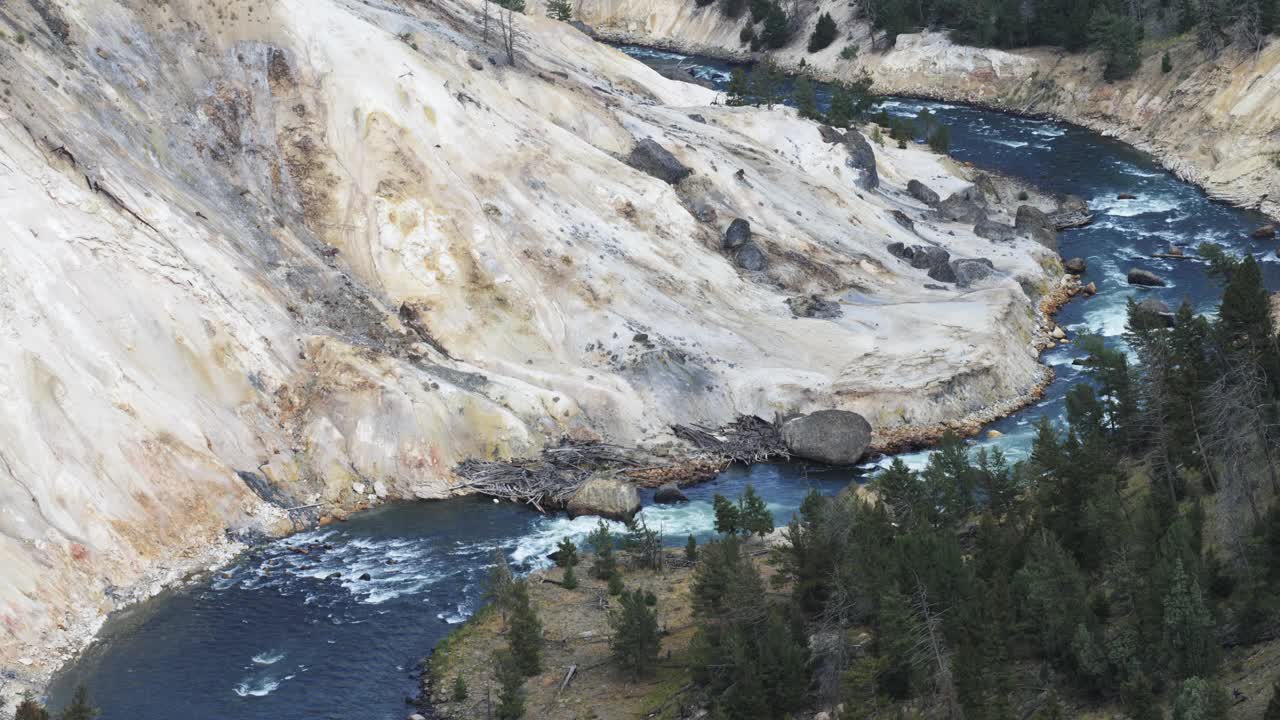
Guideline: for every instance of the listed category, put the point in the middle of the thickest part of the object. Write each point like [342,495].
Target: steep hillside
[268,260]
[1213,120]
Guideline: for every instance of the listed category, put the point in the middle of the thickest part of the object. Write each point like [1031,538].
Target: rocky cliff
[263,261]
[1213,120]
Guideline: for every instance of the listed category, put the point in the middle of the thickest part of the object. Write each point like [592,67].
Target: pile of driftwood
[749,439]
[550,479]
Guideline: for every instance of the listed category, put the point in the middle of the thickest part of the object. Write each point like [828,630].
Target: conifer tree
[824,33]
[80,709]
[805,99]
[753,513]
[459,688]
[499,586]
[570,579]
[737,93]
[559,10]
[525,635]
[30,709]
[777,29]
[566,553]
[691,549]
[635,635]
[728,520]
[1189,644]
[511,694]
[605,563]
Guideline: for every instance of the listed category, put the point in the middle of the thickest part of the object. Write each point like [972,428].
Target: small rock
[650,157]
[922,192]
[416,716]
[1090,289]
[1126,196]
[379,488]
[1174,250]
[994,434]
[1075,266]
[751,257]
[697,117]
[334,576]
[1146,278]
[357,488]
[366,576]
[738,234]
[902,219]
[1058,333]
[897,250]
[1266,232]
[668,494]
[814,306]
[475,63]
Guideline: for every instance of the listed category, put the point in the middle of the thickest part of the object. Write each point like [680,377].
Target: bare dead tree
[486,20]
[930,650]
[507,26]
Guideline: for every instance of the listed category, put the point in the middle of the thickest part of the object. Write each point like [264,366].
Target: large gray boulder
[863,158]
[751,257]
[1152,313]
[738,234]
[668,494]
[922,192]
[1146,278]
[1036,224]
[994,231]
[971,271]
[650,157]
[607,497]
[964,206]
[835,437]
[986,187]
[926,257]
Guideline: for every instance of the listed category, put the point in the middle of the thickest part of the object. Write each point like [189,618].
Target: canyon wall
[1214,119]
[266,261]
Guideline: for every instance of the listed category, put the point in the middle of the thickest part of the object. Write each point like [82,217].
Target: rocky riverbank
[1210,120]
[282,285]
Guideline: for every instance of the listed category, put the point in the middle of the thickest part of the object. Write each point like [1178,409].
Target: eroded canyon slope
[268,254]
[1214,119]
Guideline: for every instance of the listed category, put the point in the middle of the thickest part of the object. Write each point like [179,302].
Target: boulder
[606,497]
[1072,212]
[970,271]
[962,207]
[927,257]
[1266,232]
[1126,196]
[902,219]
[830,134]
[986,187]
[1152,313]
[863,158]
[583,28]
[942,273]
[814,306]
[1075,266]
[1090,290]
[751,257]
[1029,220]
[922,192]
[994,231]
[650,157]
[897,249]
[698,118]
[738,234]
[668,494]
[835,437]
[1146,278]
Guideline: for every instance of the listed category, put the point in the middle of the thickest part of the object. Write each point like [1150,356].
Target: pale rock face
[264,261]
[1212,120]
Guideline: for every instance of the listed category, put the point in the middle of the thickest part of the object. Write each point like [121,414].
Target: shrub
[570,579]
[940,140]
[615,584]
[1166,63]
[760,10]
[459,688]
[849,52]
[691,549]
[747,34]
[824,33]
[650,599]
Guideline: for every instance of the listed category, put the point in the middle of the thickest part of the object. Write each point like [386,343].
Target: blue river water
[282,635]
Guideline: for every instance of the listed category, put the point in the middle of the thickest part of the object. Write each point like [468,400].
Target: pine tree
[840,113]
[80,709]
[940,140]
[459,688]
[1189,644]
[737,93]
[765,79]
[635,635]
[727,516]
[570,579]
[805,99]
[30,709]
[511,683]
[499,585]
[754,514]
[1200,699]
[824,33]
[566,553]
[896,631]
[1166,63]
[777,29]
[559,10]
[525,635]
[615,584]
[691,549]
[605,563]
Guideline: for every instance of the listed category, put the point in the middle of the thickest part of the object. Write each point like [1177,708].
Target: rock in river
[650,157]
[1266,232]
[669,493]
[835,437]
[607,497]
[1138,276]
[1075,266]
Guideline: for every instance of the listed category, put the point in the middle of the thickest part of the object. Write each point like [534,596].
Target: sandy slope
[1213,120]
[262,254]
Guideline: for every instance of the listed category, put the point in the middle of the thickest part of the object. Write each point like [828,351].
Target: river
[272,637]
